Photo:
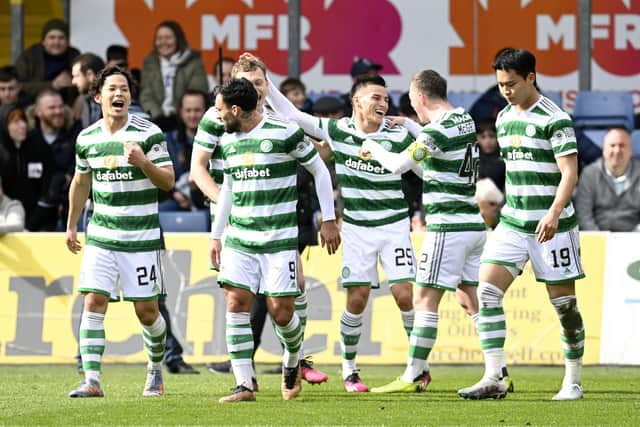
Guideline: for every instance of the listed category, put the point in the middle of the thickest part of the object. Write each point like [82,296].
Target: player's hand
[214,253]
[133,154]
[547,227]
[73,244]
[395,120]
[330,236]
[365,149]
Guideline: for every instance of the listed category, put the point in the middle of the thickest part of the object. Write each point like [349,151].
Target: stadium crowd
[46,102]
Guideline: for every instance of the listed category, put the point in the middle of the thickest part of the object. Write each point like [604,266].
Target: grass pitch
[37,395]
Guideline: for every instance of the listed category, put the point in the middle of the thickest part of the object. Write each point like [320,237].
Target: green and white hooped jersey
[450,171]
[372,194]
[125,215]
[207,138]
[530,142]
[262,166]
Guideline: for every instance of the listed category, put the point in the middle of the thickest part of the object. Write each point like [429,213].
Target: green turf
[37,395]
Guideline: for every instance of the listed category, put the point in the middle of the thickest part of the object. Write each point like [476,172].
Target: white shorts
[450,258]
[137,274]
[363,246]
[274,275]
[554,261]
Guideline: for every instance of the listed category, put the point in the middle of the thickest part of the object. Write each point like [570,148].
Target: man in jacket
[608,196]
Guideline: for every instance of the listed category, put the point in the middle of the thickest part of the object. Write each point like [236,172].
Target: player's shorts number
[146,276]
[565,259]
[292,270]
[403,256]
[423,262]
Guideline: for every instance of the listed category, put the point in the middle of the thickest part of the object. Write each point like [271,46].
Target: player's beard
[231,123]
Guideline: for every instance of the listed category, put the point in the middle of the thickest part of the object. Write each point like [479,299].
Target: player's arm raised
[161,176]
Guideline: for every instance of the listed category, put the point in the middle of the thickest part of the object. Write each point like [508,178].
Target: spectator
[84,70]
[193,105]
[608,196]
[490,164]
[11,89]
[170,70]
[328,106]
[227,65]
[28,163]
[11,214]
[296,92]
[405,109]
[52,123]
[360,67]
[118,54]
[48,64]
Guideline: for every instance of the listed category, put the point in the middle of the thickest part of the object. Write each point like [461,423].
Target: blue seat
[185,221]
[602,110]
[555,96]
[463,99]
[635,143]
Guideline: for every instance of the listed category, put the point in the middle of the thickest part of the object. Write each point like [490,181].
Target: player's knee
[405,301]
[489,296]
[567,309]
[282,317]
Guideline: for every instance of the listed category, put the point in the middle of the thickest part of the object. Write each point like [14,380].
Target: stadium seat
[190,221]
[602,110]
[463,99]
[635,143]
[555,96]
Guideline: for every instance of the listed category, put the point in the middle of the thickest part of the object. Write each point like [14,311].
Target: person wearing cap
[360,67]
[47,64]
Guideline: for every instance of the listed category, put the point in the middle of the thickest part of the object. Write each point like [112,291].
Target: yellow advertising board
[40,310]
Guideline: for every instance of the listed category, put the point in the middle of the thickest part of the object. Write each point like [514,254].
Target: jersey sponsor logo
[519,155]
[114,176]
[266,146]
[246,173]
[111,162]
[364,166]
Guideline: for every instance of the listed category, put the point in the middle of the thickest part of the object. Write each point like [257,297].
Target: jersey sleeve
[210,129]
[82,163]
[300,147]
[561,135]
[427,144]
[155,147]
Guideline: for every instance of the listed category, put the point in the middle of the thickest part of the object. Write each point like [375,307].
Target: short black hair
[8,73]
[89,61]
[485,125]
[97,84]
[521,61]
[430,83]
[366,80]
[239,92]
[117,52]
[292,83]
[405,105]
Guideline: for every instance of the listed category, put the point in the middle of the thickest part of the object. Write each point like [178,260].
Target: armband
[417,152]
